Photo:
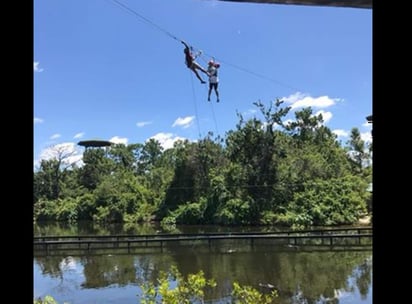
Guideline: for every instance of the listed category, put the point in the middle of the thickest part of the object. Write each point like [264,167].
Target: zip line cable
[242,186]
[214,117]
[125,7]
[212,109]
[196,112]
[194,102]
[253,73]
[145,19]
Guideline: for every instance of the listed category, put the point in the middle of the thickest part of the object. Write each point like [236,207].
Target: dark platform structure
[95,143]
[332,3]
[369,118]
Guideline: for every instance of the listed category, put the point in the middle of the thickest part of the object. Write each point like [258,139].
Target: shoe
[202,81]
[208,99]
[217,100]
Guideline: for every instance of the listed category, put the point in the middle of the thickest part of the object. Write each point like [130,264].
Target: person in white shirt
[213,78]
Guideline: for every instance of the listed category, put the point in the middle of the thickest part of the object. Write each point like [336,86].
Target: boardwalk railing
[358,236]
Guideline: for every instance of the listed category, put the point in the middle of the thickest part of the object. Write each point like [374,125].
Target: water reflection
[315,277]
[300,277]
[90,228]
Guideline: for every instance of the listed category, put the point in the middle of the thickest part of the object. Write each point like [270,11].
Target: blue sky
[110,71]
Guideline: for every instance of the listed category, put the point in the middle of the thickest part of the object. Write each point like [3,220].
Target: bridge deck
[346,237]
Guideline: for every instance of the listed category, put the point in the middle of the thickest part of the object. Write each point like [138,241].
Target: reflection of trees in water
[363,277]
[102,271]
[90,228]
[55,228]
[50,266]
[302,277]
[299,277]
[318,276]
[58,267]
[148,267]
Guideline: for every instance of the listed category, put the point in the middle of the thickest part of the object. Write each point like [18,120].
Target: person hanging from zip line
[213,79]
[191,63]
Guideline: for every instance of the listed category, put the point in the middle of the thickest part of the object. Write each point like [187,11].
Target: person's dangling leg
[197,75]
[197,66]
[210,91]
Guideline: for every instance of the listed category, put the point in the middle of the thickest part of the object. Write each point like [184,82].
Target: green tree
[257,148]
[304,126]
[48,180]
[96,166]
[124,155]
[334,201]
[192,290]
[359,155]
[149,155]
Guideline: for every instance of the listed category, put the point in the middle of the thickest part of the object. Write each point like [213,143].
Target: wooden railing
[320,237]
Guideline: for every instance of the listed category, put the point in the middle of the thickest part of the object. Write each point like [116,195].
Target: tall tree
[96,166]
[149,155]
[50,176]
[123,155]
[358,152]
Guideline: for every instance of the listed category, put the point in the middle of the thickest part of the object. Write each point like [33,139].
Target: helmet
[211,62]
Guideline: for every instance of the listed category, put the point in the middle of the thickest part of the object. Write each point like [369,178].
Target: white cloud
[69,152]
[367,125]
[119,140]
[37,120]
[36,67]
[185,122]
[55,136]
[166,140]
[53,151]
[325,115]
[300,100]
[143,123]
[293,98]
[249,112]
[79,135]
[341,133]
[366,136]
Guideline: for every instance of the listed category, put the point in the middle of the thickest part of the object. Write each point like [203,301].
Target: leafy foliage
[192,290]
[249,295]
[329,202]
[46,300]
[268,170]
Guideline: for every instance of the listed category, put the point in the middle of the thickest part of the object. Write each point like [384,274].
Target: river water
[299,276]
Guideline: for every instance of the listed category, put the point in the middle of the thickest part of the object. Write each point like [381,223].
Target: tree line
[268,171]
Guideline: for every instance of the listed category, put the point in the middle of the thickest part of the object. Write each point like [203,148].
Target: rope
[214,117]
[145,19]
[255,74]
[195,105]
